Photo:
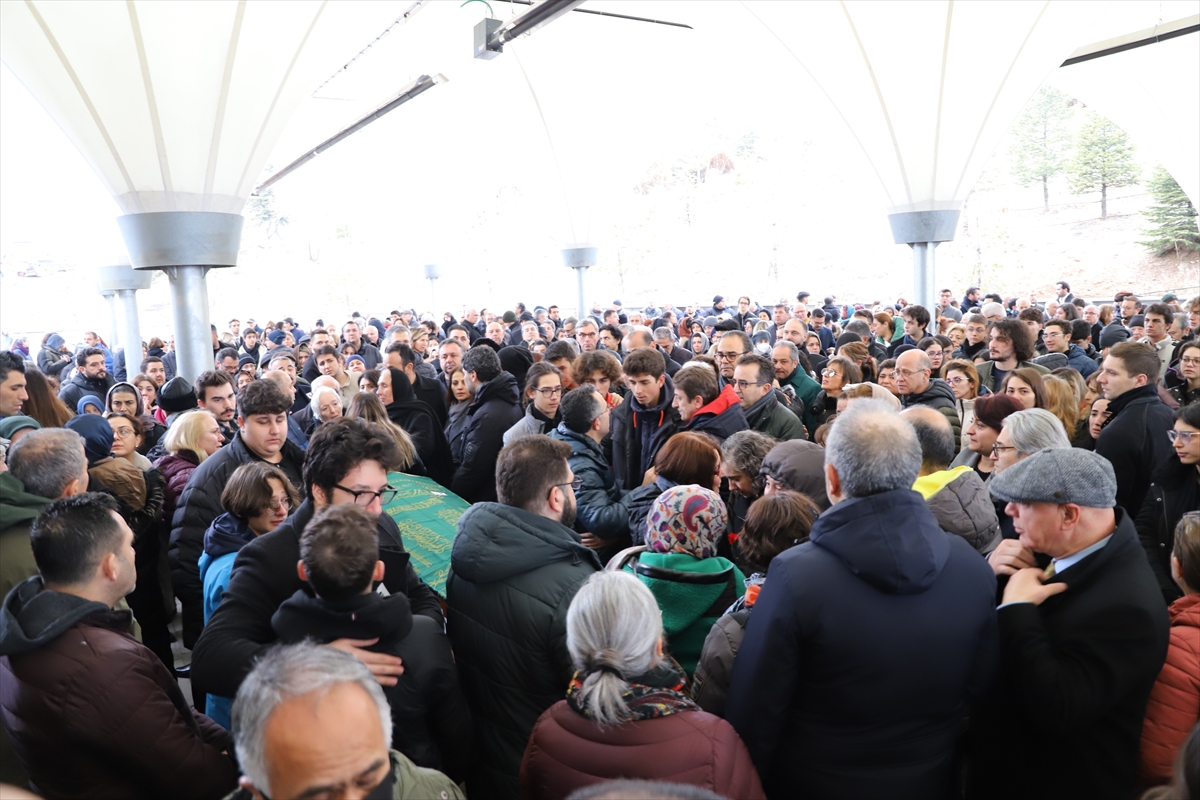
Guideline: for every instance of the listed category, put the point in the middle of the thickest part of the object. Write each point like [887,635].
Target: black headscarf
[404,408]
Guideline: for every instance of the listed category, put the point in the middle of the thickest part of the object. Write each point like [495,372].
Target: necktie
[1049,571]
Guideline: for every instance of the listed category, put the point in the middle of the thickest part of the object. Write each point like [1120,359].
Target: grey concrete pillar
[123,282]
[923,230]
[579,257]
[185,245]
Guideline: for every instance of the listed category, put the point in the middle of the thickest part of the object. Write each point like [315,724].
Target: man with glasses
[733,345]
[917,387]
[262,435]
[1057,338]
[515,568]
[587,333]
[754,384]
[347,461]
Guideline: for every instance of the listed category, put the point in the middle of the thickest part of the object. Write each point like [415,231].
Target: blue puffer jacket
[1077,359]
[601,507]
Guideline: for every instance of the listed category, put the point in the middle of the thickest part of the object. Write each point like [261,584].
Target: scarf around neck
[657,693]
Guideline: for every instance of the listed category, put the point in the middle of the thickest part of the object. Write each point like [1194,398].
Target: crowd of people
[747,550]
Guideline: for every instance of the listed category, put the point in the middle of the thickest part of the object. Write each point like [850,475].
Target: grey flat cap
[1058,475]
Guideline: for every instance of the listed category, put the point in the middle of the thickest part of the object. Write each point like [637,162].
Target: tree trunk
[1103,201]
[1045,194]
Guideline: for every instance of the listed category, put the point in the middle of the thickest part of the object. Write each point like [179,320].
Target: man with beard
[515,567]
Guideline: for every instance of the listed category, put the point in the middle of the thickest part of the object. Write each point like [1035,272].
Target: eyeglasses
[727,356]
[909,373]
[365,498]
[1190,362]
[575,485]
[740,385]
[550,391]
[1181,436]
[956,380]
[125,433]
[998,448]
[830,373]
[283,504]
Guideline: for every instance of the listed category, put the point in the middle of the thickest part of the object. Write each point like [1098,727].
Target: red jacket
[567,751]
[1174,706]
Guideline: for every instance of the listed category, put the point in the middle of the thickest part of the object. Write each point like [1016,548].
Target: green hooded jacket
[18,509]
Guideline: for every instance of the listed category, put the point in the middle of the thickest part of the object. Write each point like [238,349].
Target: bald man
[957,497]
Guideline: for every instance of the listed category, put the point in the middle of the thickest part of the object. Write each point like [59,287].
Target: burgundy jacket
[176,468]
[566,751]
[92,713]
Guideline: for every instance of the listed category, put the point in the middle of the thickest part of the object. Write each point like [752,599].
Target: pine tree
[1103,159]
[1042,139]
[1172,217]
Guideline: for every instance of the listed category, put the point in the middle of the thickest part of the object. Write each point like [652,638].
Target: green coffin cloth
[427,514]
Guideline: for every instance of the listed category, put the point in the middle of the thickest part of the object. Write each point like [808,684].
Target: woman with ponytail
[628,697]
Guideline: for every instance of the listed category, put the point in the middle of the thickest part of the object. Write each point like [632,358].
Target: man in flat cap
[1081,642]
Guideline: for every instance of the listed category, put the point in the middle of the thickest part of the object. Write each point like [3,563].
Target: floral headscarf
[686,519]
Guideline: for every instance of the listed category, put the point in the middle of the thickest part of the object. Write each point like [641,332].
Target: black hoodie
[431,723]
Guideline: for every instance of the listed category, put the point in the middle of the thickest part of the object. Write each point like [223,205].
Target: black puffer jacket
[430,720]
[939,396]
[1172,494]
[638,434]
[496,408]
[264,576]
[197,507]
[512,577]
[81,386]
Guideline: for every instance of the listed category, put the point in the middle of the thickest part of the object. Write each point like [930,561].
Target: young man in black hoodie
[646,420]
[339,561]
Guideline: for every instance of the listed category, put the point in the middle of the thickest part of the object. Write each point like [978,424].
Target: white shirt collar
[1061,564]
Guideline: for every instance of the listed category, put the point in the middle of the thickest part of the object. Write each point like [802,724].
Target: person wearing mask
[346,462]
[1174,707]
[339,562]
[643,424]
[1134,439]
[515,566]
[754,383]
[1174,491]
[494,409]
[90,711]
[543,395]
[1082,640]
[896,640]
[683,530]
[627,694]
[256,499]
[311,717]
[704,406]
[957,497]
[261,436]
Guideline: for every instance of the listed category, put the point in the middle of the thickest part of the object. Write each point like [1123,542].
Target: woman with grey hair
[628,697]
[326,405]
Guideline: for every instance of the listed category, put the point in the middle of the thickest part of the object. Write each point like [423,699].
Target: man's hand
[1027,586]
[1010,557]
[385,668]
[594,542]
[650,477]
